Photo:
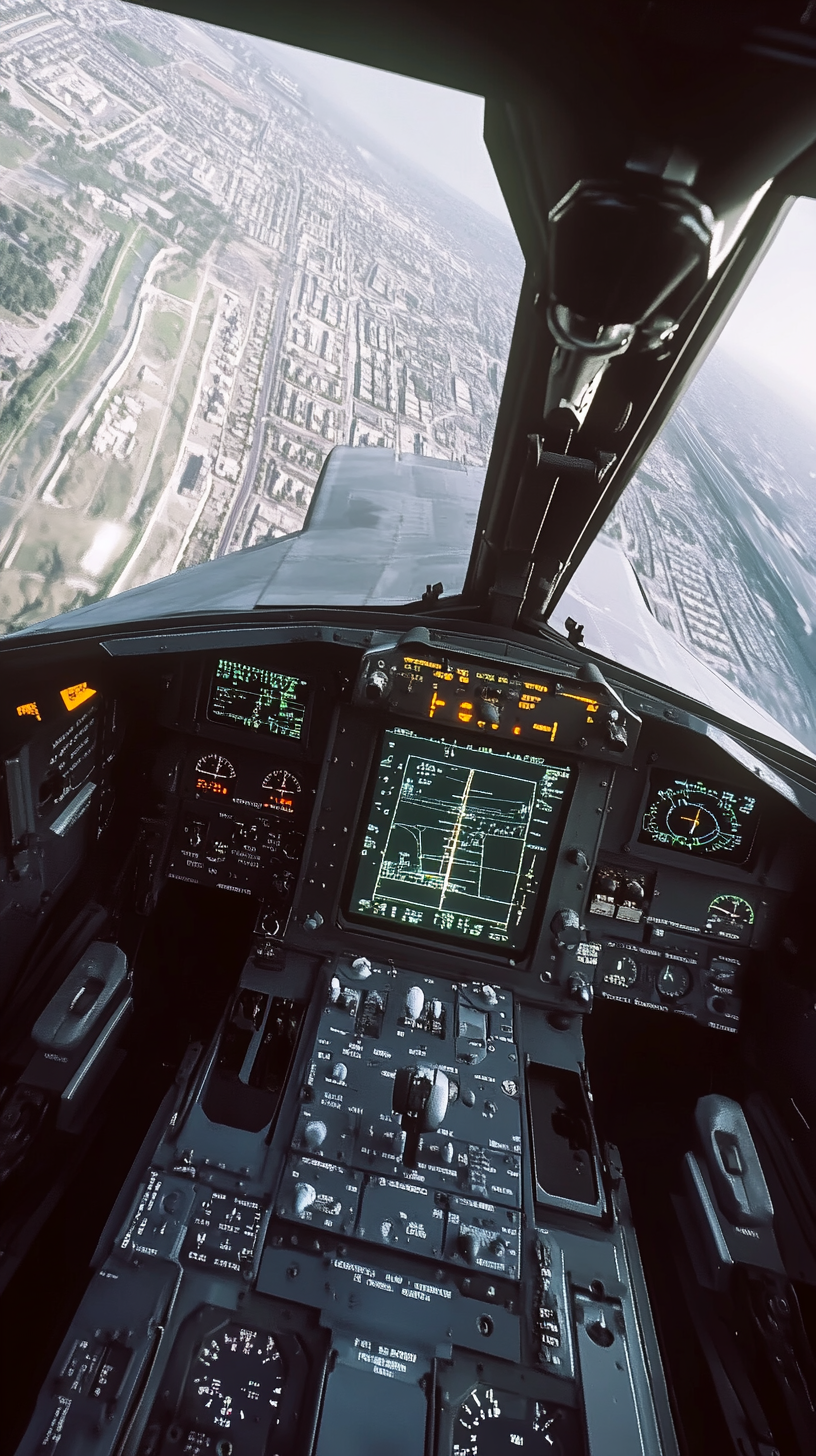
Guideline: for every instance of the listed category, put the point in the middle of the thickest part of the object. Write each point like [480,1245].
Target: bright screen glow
[256,698]
[457,839]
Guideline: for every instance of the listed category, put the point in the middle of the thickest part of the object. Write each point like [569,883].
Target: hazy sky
[772,331]
[437,129]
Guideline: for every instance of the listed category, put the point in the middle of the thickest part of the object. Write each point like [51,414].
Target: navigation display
[254,697]
[457,839]
[695,816]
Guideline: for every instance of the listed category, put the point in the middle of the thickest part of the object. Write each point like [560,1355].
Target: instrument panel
[387,1163]
[415,806]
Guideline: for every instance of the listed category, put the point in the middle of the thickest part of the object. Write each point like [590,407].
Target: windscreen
[457,839]
[221,258]
[704,576]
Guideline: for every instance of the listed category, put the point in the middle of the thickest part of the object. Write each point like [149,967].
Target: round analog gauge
[214,777]
[281,790]
[491,1423]
[693,818]
[673,981]
[236,1383]
[729,916]
[624,973]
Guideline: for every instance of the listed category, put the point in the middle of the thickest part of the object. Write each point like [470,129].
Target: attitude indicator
[698,817]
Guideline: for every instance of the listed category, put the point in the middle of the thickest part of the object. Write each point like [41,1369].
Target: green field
[179,280]
[13,151]
[167,330]
[136,50]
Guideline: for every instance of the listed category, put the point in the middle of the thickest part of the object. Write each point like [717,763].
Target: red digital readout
[209,786]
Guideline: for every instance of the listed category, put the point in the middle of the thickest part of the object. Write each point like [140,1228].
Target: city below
[205,286]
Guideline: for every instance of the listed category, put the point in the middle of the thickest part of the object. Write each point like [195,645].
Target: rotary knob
[314,1135]
[305,1196]
[414,1003]
[361,968]
[339,1072]
[378,685]
[567,929]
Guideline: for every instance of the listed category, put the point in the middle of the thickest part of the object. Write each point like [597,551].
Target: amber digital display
[28,710]
[75,696]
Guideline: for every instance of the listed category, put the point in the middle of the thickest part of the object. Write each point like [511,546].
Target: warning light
[78,694]
[28,710]
[517,730]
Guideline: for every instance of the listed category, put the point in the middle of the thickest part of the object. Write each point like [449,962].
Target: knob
[470,1245]
[567,929]
[314,1135]
[414,1003]
[334,990]
[447,1154]
[490,714]
[436,1010]
[634,891]
[339,1072]
[490,996]
[577,857]
[378,685]
[313,921]
[305,1196]
[361,968]
[579,989]
[437,1104]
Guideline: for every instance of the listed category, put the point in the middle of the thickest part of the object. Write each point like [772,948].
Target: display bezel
[259,735]
[665,778]
[513,952]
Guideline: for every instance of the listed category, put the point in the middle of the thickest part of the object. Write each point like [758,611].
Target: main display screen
[696,816]
[457,839]
[256,698]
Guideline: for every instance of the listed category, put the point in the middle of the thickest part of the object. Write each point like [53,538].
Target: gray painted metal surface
[380,528]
